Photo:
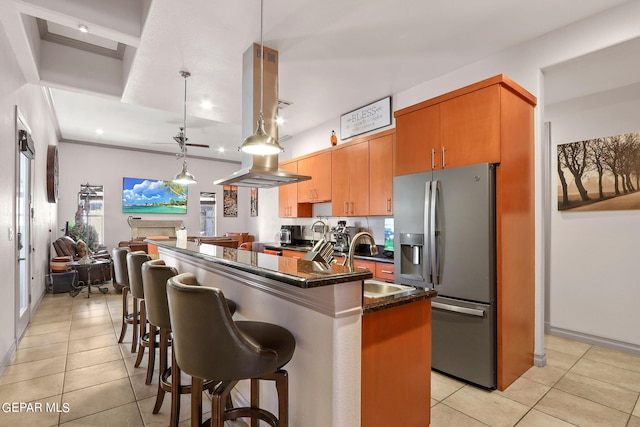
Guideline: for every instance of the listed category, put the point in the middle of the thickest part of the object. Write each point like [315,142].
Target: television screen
[388,234]
[153,196]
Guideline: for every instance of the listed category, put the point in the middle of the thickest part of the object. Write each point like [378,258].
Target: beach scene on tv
[153,196]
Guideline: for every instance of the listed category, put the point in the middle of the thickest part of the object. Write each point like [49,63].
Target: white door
[23,244]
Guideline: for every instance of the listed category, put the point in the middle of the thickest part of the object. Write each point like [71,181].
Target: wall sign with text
[365,119]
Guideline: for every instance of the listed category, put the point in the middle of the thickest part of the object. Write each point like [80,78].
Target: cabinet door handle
[433,158]
[351,208]
[444,163]
[389,205]
[346,207]
[386,271]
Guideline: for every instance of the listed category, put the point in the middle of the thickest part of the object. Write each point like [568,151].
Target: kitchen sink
[379,289]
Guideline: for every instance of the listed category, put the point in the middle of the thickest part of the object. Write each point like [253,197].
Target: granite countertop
[372,305]
[295,272]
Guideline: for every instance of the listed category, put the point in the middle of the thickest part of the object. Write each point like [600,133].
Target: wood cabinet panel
[381,175]
[288,206]
[318,188]
[470,128]
[363,264]
[417,134]
[350,180]
[384,271]
[293,254]
[396,366]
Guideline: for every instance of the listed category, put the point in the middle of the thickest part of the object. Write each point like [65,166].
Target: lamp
[261,142]
[184,177]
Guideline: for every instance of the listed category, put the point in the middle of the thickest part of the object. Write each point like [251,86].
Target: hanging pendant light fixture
[184,177]
[261,142]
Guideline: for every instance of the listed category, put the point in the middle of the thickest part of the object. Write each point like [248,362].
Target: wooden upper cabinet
[288,206]
[350,180]
[470,127]
[318,188]
[381,175]
[417,136]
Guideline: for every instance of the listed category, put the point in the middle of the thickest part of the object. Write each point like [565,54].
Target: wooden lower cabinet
[396,366]
[384,271]
[293,254]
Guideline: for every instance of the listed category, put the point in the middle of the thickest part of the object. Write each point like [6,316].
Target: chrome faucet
[313,233]
[354,242]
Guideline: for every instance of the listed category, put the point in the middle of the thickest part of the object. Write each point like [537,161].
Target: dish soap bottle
[334,138]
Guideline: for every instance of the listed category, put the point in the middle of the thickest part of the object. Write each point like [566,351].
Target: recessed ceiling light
[221,150]
[206,104]
[83,28]
[99,131]
[279,120]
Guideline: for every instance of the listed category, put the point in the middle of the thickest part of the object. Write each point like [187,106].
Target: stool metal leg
[136,314]
[125,312]
[164,339]
[143,330]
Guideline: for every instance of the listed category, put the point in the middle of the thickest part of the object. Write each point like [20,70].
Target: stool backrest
[154,280]
[134,267]
[120,271]
[207,342]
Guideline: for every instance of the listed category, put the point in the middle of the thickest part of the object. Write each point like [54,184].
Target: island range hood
[260,171]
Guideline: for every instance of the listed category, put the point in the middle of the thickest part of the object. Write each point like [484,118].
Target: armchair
[69,250]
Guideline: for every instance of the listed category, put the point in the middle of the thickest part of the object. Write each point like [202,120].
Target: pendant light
[184,177]
[261,142]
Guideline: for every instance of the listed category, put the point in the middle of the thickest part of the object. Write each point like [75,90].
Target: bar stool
[121,276]
[154,279]
[210,345]
[134,268]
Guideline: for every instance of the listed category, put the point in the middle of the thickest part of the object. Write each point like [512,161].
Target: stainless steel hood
[260,171]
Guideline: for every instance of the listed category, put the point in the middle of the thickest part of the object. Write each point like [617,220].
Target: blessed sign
[366,119]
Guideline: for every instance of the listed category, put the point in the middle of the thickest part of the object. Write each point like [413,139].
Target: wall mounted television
[140,195]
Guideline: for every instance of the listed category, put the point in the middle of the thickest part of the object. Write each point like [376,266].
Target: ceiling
[123,76]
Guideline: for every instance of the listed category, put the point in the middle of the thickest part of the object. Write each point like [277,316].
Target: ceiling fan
[181,138]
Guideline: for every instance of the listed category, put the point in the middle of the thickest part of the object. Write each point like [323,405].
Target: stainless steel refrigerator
[445,239]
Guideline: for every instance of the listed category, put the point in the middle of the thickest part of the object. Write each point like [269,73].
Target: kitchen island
[322,305]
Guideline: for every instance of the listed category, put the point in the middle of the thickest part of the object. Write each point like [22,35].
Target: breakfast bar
[321,304]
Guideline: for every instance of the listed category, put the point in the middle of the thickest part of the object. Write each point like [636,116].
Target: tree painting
[600,173]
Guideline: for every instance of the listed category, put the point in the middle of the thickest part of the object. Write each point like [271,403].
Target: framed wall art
[140,195]
[254,202]
[230,199]
[599,174]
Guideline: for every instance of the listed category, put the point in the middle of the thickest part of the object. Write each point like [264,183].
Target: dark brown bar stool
[154,279]
[134,267]
[210,345]
[121,275]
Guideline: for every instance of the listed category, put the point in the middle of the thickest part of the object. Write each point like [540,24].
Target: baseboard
[6,358]
[594,340]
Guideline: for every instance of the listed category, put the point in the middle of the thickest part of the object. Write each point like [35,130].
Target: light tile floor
[70,357]
[582,385]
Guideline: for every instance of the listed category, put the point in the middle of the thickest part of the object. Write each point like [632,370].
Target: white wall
[594,286]
[523,63]
[29,99]
[80,164]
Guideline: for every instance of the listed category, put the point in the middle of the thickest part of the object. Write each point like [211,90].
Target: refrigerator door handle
[427,215]
[462,310]
[433,233]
